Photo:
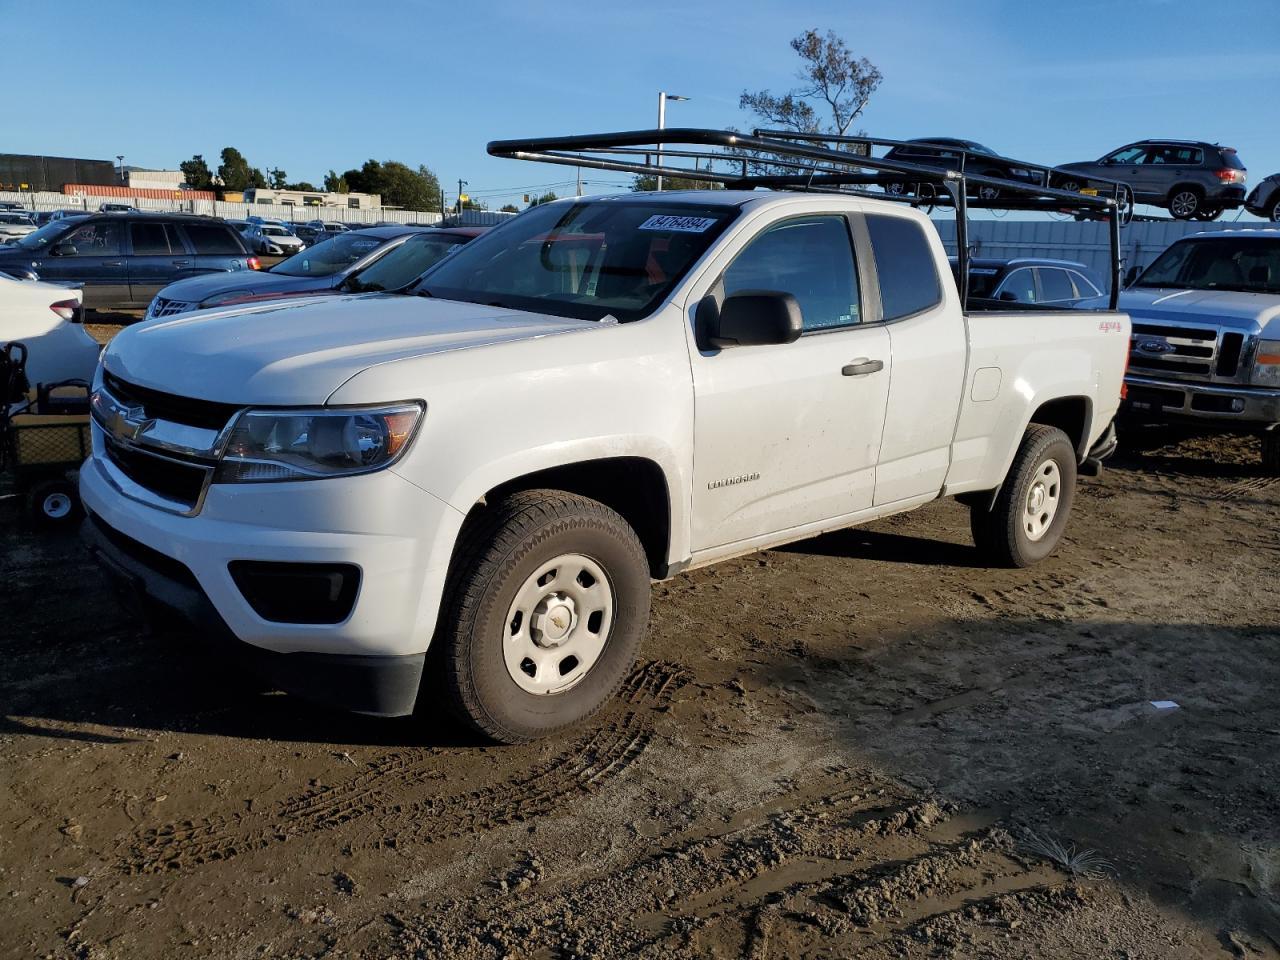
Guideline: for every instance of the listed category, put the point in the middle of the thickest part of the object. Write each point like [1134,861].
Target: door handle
[182,263]
[861,367]
[113,263]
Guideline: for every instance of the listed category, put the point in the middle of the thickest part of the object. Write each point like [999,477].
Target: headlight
[1266,365]
[221,298]
[268,445]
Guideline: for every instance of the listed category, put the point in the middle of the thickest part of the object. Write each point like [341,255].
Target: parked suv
[123,259]
[1264,201]
[1189,178]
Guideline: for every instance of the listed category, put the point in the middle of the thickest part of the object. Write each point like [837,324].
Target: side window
[1134,154]
[209,239]
[101,238]
[810,258]
[1019,286]
[149,240]
[1055,285]
[905,266]
[1084,286]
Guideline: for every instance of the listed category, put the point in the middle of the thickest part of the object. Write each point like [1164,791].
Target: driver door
[91,254]
[788,434]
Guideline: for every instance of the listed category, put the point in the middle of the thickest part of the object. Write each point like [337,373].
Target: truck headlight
[1266,364]
[273,445]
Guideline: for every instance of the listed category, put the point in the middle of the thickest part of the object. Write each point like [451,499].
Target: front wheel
[548,601]
[1208,213]
[1031,510]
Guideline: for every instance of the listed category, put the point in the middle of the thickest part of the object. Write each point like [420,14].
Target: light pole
[663,97]
[120,157]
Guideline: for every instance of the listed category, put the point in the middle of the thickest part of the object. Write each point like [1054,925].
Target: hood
[201,288]
[1226,308]
[300,352]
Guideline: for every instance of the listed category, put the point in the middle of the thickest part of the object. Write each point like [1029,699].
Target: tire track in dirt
[849,853]
[1244,488]
[598,757]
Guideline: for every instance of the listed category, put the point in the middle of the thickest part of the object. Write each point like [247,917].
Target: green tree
[399,184]
[302,185]
[545,198]
[236,173]
[835,88]
[509,208]
[335,182]
[648,182]
[196,173]
[277,178]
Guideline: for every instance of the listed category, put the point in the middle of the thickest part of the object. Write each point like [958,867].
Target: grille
[163,307]
[165,406]
[171,479]
[1181,352]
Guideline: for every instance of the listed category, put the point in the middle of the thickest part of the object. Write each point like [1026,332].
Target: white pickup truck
[474,487]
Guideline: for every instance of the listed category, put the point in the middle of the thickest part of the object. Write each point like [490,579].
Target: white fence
[218,208]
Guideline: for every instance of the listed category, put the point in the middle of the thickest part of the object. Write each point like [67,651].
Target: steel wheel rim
[1043,497]
[558,624]
[1184,204]
[989,193]
[1070,185]
[895,189]
[1275,212]
[56,506]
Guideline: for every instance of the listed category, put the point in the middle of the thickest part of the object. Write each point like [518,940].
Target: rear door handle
[182,263]
[113,263]
[861,367]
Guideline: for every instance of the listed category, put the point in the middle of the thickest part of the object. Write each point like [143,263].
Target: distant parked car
[272,240]
[364,261]
[945,152]
[123,259]
[1189,178]
[117,208]
[327,226]
[14,225]
[1061,283]
[254,218]
[11,205]
[63,214]
[1264,201]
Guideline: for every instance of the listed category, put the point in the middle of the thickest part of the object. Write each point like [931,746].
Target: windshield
[1248,264]
[274,232]
[327,258]
[47,234]
[405,263]
[588,260]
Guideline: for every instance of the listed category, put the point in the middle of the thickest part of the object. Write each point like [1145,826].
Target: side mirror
[1131,275]
[64,249]
[755,318]
[1008,296]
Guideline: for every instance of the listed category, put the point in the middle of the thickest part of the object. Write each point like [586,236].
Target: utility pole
[461,183]
[663,97]
[579,181]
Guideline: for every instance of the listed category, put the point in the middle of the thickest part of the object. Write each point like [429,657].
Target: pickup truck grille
[1193,352]
[148,437]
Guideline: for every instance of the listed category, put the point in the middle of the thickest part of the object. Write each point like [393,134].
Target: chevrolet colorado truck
[470,490]
[1205,347]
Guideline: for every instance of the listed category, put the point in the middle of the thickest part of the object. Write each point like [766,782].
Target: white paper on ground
[1164,704]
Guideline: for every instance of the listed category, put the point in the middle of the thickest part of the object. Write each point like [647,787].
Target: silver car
[271,239]
[15,225]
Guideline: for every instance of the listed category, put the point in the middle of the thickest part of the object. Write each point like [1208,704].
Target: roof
[1265,233]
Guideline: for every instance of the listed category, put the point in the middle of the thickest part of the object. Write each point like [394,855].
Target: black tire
[1274,215]
[1185,202]
[897,189]
[1000,533]
[1271,452]
[54,503]
[498,551]
[1208,213]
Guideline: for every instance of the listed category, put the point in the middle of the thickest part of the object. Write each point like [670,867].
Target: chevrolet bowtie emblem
[128,423]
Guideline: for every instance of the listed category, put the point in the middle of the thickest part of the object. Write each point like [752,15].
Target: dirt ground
[865,744]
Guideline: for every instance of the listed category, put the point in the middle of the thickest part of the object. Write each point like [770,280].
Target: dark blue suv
[123,259]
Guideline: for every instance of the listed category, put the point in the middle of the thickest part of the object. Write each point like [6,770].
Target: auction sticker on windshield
[670,223]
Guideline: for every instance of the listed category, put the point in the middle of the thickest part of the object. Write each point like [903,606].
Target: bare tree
[833,80]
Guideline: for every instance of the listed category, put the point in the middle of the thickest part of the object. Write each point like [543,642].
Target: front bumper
[1233,407]
[382,686]
[398,536]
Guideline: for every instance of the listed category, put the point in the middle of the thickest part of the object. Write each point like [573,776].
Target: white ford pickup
[474,487]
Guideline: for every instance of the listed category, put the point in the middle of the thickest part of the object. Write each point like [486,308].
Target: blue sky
[311,85]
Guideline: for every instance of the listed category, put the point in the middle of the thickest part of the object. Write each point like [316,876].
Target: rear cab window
[905,266]
[213,239]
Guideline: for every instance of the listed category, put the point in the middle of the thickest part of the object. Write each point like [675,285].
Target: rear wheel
[1274,215]
[1185,202]
[1030,513]
[1071,186]
[1208,213]
[549,600]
